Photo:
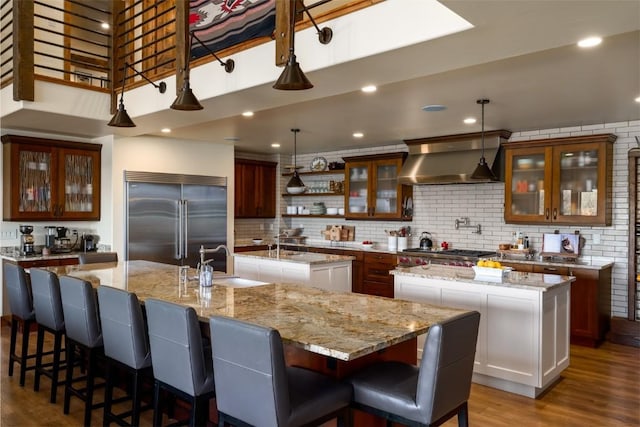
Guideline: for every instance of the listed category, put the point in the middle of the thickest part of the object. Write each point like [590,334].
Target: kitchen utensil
[26,229]
[504,246]
[426,241]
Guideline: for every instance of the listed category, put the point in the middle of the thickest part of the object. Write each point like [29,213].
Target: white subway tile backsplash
[437,207]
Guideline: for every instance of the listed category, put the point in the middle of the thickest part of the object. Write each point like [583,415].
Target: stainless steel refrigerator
[169,216]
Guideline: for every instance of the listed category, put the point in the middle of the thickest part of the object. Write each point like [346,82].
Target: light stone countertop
[514,279]
[340,325]
[311,258]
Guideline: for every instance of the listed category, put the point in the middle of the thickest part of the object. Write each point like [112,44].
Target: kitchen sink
[237,282]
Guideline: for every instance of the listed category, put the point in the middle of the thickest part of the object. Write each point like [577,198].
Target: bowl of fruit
[490,270]
[367,244]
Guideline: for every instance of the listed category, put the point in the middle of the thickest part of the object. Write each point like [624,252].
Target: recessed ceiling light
[369,89]
[104,25]
[590,42]
[433,107]
[165,130]
[275,145]
[358,134]
[638,99]
[469,120]
[248,114]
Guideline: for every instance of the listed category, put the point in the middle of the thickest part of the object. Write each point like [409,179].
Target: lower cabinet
[523,339]
[376,279]
[357,265]
[335,276]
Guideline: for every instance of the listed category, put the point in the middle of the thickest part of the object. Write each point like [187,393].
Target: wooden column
[182,41]
[23,74]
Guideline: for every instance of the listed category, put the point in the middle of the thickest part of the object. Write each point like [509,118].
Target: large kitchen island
[523,339]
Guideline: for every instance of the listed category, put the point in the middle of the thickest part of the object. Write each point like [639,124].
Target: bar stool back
[80,308]
[432,393]
[249,366]
[21,306]
[47,304]
[126,344]
[180,364]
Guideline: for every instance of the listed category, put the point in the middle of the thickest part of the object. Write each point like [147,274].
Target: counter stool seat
[432,393]
[126,345]
[249,366]
[82,324]
[180,364]
[22,314]
[47,304]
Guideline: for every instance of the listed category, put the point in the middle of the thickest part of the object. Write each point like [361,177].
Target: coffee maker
[27,246]
[50,236]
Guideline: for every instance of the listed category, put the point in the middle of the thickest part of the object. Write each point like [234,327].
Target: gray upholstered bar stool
[22,313]
[47,304]
[432,393]
[126,345]
[82,324]
[96,257]
[180,364]
[255,387]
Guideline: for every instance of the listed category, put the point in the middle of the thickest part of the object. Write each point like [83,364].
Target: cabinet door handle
[555,213]
[546,213]
[550,269]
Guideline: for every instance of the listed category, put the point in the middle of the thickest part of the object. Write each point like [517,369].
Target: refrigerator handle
[180,227]
[186,228]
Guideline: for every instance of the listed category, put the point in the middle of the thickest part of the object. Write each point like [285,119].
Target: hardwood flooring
[600,388]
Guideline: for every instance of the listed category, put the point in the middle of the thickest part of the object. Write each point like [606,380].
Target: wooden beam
[23,74]
[284,11]
[182,41]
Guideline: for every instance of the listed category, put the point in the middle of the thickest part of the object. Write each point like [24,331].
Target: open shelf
[311,216]
[311,194]
[324,172]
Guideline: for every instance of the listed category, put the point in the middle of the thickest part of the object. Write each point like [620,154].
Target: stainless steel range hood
[452,159]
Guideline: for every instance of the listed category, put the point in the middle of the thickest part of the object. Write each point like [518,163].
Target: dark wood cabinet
[376,278]
[255,189]
[590,302]
[524,268]
[561,180]
[47,179]
[372,190]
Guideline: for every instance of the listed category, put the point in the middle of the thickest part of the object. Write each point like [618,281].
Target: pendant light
[121,119]
[186,100]
[295,184]
[482,170]
[292,77]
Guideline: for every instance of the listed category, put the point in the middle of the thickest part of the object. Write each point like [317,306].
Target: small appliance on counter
[50,236]
[27,246]
[62,242]
[89,243]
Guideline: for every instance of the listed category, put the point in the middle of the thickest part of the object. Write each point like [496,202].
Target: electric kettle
[425,240]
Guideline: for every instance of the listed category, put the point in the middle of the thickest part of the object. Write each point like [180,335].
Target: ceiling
[520,54]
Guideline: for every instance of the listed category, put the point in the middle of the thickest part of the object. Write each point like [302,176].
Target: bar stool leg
[71,350]
[88,402]
[12,345]
[108,395]
[39,348]
[157,415]
[25,350]
[55,369]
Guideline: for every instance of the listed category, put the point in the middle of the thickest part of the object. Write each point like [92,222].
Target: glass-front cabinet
[49,179]
[563,180]
[372,190]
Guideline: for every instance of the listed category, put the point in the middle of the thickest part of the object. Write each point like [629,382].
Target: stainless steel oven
[458,257]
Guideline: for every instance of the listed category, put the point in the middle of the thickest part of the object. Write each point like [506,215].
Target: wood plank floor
[600,388]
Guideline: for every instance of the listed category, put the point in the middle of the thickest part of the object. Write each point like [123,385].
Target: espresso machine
[50,236]
[27,246]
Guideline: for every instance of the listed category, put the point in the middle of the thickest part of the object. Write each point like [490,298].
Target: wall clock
[318,164]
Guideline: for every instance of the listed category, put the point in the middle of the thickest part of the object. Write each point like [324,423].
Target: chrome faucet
[277,237]
[204,251]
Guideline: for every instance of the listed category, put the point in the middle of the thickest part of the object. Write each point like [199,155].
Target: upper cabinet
[47,179]
[372,190]
[562,180]
[255,189]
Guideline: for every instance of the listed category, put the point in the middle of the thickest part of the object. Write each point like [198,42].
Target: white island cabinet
[523,339]
[329,272]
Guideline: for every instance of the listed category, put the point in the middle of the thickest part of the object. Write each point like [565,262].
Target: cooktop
[471,253]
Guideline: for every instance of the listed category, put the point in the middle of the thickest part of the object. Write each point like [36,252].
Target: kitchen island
[523,339]
[328,272]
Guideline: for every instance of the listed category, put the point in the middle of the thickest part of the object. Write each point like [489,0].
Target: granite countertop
[513,279]
[593,264]
[297,257]
[340,325]
[16,257]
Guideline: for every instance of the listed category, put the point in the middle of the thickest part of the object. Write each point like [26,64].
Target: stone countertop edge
[514,279]
[38,257]
[311,258]
[591,263]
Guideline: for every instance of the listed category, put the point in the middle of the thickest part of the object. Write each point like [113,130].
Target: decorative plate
[318,164]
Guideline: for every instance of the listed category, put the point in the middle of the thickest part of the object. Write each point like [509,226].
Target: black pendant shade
[483,171]
[292,77]
[295,182]
[186,100]
[121,119]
